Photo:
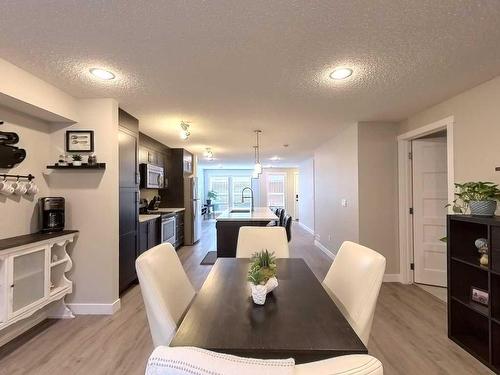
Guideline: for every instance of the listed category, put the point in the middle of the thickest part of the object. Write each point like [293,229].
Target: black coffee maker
[51,214]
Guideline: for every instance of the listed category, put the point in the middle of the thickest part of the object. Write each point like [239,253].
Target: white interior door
[296,195]
[430,195]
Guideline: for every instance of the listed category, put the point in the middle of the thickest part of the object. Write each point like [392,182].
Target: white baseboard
[324,249]
[392,278]
[306,227]
[95,308]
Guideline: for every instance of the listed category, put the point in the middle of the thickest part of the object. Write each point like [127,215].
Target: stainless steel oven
[152,176]
[168,229]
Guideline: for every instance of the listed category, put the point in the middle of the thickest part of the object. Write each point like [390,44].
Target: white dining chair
[255,239]
[183,360]
[353,282]
[166,290]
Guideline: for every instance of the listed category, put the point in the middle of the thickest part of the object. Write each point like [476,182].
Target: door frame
[405,183]
[296,192]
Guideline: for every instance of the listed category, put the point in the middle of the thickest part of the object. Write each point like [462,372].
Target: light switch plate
[344,202]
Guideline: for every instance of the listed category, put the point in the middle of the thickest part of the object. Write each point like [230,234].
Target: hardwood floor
[408,335]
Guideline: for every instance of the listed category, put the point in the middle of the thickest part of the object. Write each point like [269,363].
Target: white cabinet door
[28,278]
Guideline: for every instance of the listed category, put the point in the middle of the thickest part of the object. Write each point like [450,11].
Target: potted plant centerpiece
[262,276]
[77,160]
[480,197]
[211,195]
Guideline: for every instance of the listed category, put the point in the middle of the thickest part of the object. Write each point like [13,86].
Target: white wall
[19,214]
[22,89]
[91,197]
[306,194]
[378,190]
[476,131]
[92,205]
[336,178]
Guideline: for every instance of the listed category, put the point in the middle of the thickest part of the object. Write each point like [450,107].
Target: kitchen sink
[239,211]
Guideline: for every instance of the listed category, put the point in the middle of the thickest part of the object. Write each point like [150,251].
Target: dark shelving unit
[474,326]
[83,166]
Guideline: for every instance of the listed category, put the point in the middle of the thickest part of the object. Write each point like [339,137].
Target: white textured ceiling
[232,66]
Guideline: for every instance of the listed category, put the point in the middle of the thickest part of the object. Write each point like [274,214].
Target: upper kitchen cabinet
[187,163]
[151,151]
[179,164]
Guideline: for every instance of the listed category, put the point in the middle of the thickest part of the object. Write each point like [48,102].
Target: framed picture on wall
[80,140]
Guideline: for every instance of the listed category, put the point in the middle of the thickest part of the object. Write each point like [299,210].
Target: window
[220,184]
[238,184]
[276,188]
[228,189]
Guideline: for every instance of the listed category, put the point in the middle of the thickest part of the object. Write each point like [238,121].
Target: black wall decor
[10,155]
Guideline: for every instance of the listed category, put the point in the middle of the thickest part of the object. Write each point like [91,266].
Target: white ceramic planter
[271,284]
[259,292]
[77,163]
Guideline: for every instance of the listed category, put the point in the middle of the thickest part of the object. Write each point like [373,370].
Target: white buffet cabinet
[33,275]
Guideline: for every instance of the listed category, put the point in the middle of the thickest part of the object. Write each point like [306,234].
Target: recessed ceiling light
[275,158]
[341,73]
[102,74]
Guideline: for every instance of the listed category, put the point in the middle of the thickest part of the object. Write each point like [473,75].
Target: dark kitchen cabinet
[179,165]
[149,234]
[179,220]
[128,198]
[153,233]
[151,151]
[143,237]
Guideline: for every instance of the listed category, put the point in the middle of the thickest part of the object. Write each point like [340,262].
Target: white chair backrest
[353,282]
[182,361]
[166,290]
[256,239]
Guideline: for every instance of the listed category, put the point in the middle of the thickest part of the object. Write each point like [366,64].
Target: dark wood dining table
[299,319]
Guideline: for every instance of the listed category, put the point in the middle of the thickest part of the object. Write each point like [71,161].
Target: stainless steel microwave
[152,176]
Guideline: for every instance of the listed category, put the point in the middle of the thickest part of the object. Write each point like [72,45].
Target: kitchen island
[229,223]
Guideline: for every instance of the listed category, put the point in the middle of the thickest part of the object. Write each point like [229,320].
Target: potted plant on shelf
[77,160]
[211,195]
[262,276]
[480,197]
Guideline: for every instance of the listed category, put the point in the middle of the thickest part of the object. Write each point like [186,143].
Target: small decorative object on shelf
[77,160]
[482,248]
[92,160]
[262,276]
[480,197]
[62,161]
[479,295]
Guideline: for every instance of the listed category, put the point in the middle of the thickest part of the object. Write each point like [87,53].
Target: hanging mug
[20,188]
[32,189]
[6,188]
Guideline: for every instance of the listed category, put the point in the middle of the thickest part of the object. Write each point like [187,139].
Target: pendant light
[257,169]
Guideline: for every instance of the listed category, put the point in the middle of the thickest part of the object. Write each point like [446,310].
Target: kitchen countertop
[258,214]
[147,217]
[8,243]
[169,209]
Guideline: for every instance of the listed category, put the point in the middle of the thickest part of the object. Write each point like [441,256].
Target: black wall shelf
[83,166]
[473,326]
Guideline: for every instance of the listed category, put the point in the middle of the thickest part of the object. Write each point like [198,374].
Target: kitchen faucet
[243,197]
